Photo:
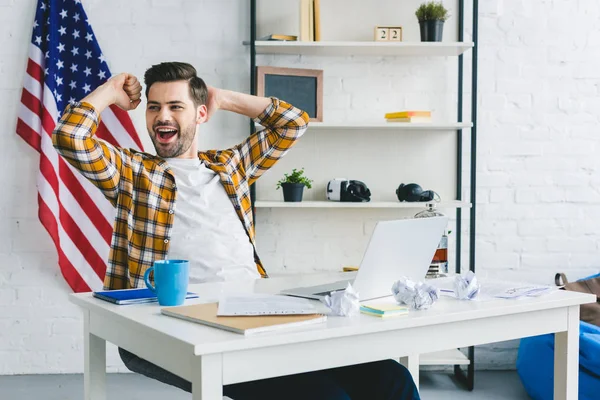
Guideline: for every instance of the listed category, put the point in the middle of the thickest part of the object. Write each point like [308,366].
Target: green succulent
[432,11]
[295,177]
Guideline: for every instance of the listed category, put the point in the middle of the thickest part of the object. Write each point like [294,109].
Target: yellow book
[317,10]
[311,20]
[410,119]
[408,114]
[276,36]
[305,20]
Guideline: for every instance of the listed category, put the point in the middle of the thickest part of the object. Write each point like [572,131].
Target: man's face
[171,118]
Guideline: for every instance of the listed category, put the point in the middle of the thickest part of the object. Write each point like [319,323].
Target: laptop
[397,248]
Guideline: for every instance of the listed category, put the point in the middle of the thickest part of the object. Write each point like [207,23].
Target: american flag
[65,64]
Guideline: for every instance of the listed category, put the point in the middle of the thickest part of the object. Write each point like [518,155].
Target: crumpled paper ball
[467,287]
[417,295]
[344,303]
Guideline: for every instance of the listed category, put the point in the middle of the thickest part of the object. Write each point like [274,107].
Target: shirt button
[170,211]
[166,240]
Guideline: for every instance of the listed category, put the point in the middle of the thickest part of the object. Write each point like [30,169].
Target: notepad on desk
[206,314]
[383,308]
[132,296]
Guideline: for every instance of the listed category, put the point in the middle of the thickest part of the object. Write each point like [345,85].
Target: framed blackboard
[303,88]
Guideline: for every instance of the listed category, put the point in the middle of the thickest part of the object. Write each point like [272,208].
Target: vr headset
[413,192]
[345,190]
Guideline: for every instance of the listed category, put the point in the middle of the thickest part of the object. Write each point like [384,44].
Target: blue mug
[171,281]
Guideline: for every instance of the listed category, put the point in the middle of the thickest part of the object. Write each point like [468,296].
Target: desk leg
[566,358]
[207,377]
[411,362]
[94,373]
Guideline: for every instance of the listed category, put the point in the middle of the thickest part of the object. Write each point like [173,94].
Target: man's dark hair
[177,71]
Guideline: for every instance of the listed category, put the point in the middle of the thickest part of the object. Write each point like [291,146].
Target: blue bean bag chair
[535,363]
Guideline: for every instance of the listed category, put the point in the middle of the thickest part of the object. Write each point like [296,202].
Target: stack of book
[383,309]
[409,116]
[281,38]
[301,21]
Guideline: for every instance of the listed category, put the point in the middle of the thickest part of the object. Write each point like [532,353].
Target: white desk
[210,357]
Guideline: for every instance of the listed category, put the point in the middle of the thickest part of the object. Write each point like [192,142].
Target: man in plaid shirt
[195,205]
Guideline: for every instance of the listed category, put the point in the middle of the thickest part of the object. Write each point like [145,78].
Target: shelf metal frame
[466,377]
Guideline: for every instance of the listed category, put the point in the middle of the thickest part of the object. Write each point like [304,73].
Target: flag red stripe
[29,135]
[31,102]
[69,272]
[36,71]
[47,170]
[124,119]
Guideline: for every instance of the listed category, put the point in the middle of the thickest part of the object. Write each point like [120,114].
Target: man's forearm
[241,103]
[100,99]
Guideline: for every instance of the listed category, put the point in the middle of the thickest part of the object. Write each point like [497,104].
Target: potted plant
[431,16]
[293,185]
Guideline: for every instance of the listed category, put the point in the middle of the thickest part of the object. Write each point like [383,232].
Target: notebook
[206,314]
[132,296]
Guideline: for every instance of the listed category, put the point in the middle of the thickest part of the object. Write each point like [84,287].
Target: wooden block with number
[395,33]
[382,34]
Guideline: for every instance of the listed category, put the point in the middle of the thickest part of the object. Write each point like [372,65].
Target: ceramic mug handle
[147,279]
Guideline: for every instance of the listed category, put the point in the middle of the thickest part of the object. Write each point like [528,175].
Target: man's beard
[179,146]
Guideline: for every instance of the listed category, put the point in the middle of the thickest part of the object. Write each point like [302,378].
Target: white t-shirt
[206,229]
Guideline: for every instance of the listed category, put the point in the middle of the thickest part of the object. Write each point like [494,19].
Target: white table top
[207,340]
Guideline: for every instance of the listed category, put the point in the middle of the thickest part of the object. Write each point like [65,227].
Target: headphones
[412,192]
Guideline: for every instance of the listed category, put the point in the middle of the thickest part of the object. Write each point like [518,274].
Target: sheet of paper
[513,290]
[264,304]
[492,289]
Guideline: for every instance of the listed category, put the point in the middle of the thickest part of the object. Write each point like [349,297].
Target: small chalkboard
[303,88]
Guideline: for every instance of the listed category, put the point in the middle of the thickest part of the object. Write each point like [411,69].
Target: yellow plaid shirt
[143,189]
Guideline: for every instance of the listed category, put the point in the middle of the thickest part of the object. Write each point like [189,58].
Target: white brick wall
[537,172]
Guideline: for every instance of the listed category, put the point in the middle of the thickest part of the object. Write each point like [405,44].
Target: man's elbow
[58,138]
[305,118]
[298,126]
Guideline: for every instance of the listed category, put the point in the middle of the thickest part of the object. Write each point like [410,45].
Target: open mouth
[165,134]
